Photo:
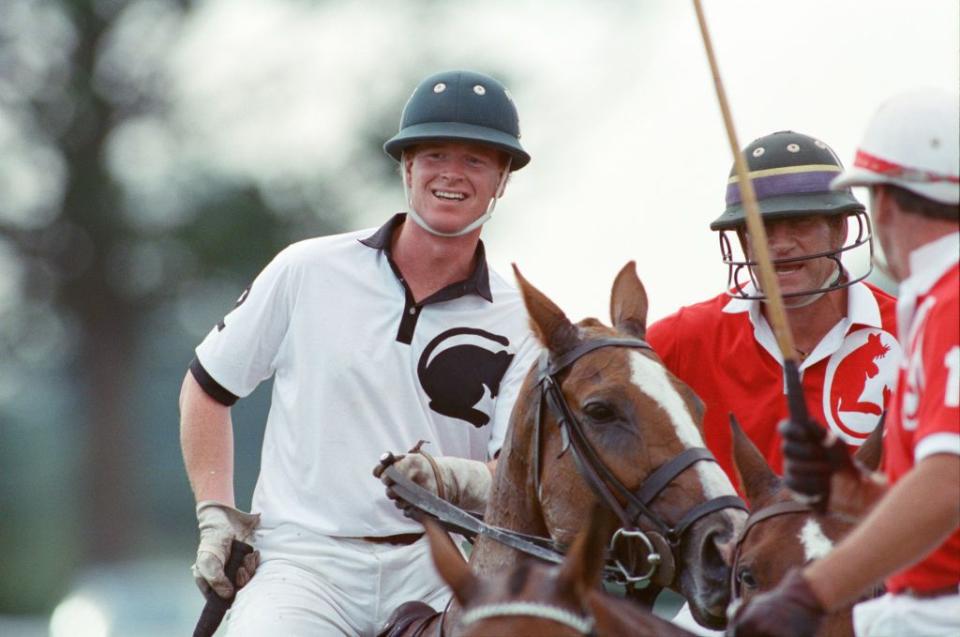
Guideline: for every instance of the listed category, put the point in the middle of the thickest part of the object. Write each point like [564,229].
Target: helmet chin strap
[470,227]
[807,299]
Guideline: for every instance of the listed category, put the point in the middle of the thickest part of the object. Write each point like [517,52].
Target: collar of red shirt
[862,311]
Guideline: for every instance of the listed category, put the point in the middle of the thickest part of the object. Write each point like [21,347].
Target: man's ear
[879,206]
[503,185]
[841,228]
[406,164]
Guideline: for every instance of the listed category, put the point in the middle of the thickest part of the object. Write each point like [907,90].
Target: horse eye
[599,412]
[746,578]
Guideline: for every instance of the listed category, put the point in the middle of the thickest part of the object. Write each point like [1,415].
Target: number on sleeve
[951,394]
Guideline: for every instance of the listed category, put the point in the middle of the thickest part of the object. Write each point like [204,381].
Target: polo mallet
[796,404]
[216,606]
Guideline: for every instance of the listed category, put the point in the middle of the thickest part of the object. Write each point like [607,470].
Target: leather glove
[465,483]
[791,609]
[219,526]
[811,457]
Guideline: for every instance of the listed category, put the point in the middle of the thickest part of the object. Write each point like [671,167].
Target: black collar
[477,283]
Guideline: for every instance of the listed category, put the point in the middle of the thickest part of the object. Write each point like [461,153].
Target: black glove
[789,610]
[810,458]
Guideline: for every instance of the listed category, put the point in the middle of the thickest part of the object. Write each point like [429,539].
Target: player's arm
[918,513]
[206,440]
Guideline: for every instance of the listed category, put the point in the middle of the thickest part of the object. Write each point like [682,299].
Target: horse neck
[513,502]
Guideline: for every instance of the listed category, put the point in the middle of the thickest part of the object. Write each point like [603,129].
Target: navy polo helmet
[460,106]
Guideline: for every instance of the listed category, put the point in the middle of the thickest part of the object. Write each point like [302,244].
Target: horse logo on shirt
[455,379]
[859,379]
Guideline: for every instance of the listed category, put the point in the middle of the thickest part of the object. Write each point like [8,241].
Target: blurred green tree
[109,261]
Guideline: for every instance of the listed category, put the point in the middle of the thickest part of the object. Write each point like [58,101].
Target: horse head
[533,598]
[601,419]
[530,598]
[782,533]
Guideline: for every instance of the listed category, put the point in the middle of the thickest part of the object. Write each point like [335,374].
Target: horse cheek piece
[216,607]
[658,544]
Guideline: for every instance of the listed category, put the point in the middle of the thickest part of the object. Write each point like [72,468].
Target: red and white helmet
[913,141]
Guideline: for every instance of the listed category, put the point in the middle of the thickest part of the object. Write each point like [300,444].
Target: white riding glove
[465,483]
[219,526]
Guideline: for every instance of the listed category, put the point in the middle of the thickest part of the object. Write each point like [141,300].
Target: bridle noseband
[662,538]
[583,624]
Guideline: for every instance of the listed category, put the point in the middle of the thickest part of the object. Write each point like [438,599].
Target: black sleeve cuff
[213,389]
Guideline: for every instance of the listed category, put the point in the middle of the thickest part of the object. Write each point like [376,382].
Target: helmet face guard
[791,175]
[740,272]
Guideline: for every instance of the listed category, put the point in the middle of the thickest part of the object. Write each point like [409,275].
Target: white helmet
[913,141]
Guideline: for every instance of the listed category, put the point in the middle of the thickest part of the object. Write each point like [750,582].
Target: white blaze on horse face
[815,543]
[651,378]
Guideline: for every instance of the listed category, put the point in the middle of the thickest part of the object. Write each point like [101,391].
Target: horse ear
[757,479]
[548,322]
[870,452]
[628,302]
[449,562]
[585,560]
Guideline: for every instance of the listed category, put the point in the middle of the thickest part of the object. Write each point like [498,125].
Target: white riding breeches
[905,616]
[331,586]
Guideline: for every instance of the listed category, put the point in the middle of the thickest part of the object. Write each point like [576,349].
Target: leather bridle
[786,507]
[633,508]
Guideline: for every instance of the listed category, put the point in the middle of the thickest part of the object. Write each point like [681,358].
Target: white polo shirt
[360,368]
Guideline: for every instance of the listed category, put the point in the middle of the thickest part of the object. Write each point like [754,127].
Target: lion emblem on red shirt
[858,383]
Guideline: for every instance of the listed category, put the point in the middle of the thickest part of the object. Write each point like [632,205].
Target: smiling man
[376,339]
[843,328]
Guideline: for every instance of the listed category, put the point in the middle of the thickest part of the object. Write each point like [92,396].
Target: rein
[664,538]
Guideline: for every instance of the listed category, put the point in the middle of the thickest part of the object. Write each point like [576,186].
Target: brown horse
[534,599]
[781,533]
[600,418]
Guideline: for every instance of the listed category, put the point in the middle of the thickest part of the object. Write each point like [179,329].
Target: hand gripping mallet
[216,606]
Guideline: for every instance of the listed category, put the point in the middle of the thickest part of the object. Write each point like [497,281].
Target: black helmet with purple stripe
[791,175]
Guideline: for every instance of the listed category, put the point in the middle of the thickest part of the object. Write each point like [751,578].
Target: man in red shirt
[910,534]
[844,328]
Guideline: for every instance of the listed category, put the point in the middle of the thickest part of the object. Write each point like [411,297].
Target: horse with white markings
[600,419]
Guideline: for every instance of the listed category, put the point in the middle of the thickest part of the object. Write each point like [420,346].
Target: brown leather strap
[953,589]
[418,448]
[400,538]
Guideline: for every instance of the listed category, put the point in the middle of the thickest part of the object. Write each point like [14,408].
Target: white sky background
[617,108]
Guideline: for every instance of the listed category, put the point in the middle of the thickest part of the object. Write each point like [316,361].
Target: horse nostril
[715,553]
[727,548]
